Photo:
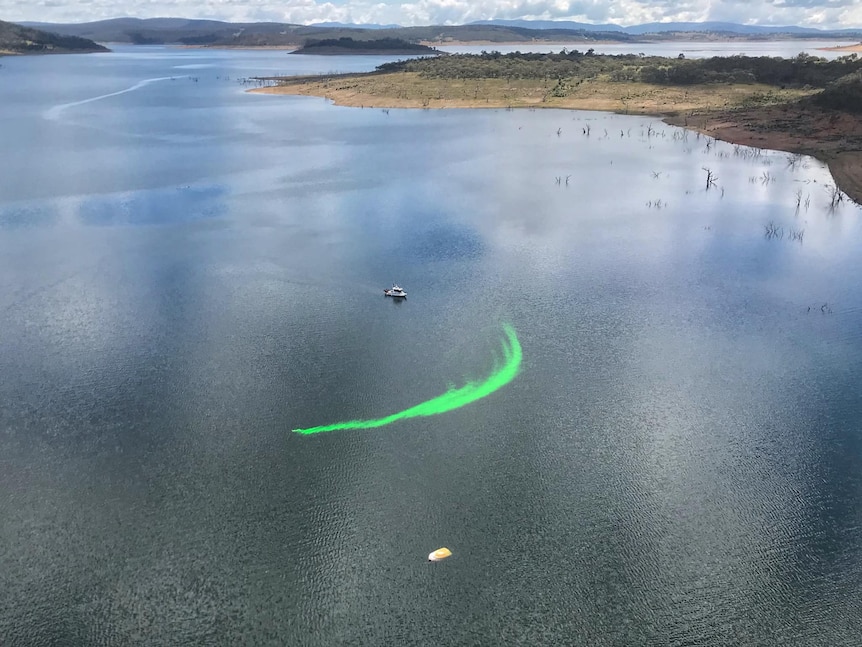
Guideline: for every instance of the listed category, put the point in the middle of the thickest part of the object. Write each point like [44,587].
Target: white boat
[395,291]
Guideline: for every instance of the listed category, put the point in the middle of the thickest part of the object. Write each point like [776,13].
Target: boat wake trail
[54,112]
[454,398]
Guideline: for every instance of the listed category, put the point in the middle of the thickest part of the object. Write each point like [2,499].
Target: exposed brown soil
[745,114]
[831,136]
[843,48]
[410,90]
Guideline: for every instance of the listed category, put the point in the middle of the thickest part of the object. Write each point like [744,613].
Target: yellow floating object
[440,553]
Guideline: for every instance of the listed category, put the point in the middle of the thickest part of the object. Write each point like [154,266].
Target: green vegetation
[346,45]
[570,68]
[845,94]
[15,39]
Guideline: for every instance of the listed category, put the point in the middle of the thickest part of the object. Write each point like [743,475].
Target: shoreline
[241,47]
[832,137]
[778,119]
[842,48]
[334,51]
[535,41]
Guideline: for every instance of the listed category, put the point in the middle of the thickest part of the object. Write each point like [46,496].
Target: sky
[823,14]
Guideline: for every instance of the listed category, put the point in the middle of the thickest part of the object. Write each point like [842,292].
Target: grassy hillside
[625,83]
[15,39]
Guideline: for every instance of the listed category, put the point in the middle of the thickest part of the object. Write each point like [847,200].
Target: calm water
[693,49]
[188,272]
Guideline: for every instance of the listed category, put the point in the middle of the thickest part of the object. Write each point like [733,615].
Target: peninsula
[804,105]
[15,39]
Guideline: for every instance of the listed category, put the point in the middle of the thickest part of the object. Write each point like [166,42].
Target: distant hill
[720,27]
[214,33]
[353,25]
[16,39]
[153,31]
[160,31]
[669,27]
[550,24]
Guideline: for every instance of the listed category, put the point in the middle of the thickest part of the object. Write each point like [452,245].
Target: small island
[15,39]
[342,46]
[805,105]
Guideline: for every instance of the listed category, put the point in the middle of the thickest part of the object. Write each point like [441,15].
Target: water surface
[691,49]
[188,272]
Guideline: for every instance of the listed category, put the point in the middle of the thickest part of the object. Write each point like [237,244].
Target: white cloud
[822,13]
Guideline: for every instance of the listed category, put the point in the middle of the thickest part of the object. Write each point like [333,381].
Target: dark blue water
[189,271]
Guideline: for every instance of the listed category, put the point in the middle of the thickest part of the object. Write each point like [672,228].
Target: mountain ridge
[19,39]
[663,27]
[187,31]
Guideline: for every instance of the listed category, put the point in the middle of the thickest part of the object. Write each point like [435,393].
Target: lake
[691,49]
[189,272]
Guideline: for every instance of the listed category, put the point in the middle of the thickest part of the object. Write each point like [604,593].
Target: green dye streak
[454,398]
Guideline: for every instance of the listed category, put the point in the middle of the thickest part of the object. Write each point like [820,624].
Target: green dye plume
[454,398]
